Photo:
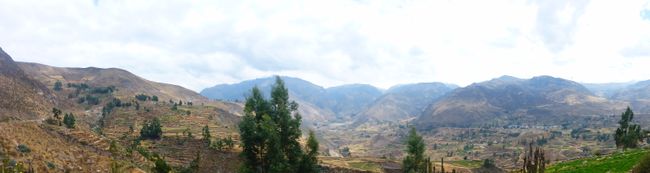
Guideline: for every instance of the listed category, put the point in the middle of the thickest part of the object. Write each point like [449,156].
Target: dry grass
[49,147]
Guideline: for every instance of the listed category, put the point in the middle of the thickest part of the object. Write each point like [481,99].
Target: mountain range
[543,99]
[428,104]
[28,93]
[539,99]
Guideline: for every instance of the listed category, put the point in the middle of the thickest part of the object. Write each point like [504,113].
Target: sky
[198,44]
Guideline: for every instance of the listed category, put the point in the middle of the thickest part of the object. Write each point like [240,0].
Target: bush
[488,163]
[80,86]
[69,120]
[142,97]
[51,165]
[23,148]
[160,166]
[151,130]
[103,90]
[218,145]
[89,99]
[57,86]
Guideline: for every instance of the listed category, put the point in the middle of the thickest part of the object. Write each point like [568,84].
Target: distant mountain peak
[507,78]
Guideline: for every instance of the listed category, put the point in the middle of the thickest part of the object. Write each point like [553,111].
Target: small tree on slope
[627,135]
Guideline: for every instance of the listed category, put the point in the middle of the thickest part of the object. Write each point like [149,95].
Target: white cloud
[198,44]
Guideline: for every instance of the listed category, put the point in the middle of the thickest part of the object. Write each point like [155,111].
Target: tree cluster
[269,134]
[142,97]
[68,119]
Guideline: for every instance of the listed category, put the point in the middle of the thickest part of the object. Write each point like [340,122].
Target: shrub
[103,90]
[488,163]
[57,86]
[69,120]
[151,130]
[142,97]
[23,148]
[51,165]
[160,165]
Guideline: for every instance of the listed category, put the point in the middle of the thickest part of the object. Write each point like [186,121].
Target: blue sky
[197,44]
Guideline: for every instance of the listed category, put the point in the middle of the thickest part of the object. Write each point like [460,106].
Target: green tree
[69,120]
[270,131]
[160,165]
[414,162]
[206,133]
[57,85]
[310,161]
[154,98]
[151,130]
[627,135]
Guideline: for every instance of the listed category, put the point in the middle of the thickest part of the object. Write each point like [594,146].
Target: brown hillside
[22,97]
[48,147]
[127,83]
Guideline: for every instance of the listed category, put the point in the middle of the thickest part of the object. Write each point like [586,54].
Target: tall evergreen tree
[289,126]
[257,134]
[627,135]
[414,162]
[270,131]
[310,161]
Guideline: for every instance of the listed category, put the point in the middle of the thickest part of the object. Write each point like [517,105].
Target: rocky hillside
[22,96]
[539,99]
